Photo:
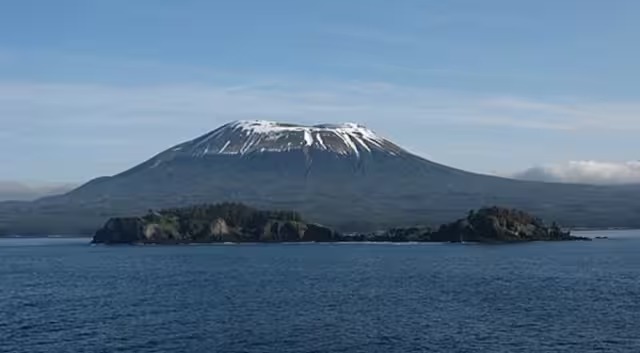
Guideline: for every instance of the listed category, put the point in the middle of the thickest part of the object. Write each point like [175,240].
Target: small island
[237,223]
[226,222]
[487,225]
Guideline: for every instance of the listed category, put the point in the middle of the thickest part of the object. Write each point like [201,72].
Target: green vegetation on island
[226,222]
[234,222]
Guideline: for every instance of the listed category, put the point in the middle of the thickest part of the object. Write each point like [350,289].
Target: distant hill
[17,191]
[344,176]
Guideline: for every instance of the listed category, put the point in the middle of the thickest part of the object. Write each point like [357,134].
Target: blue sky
[90,87]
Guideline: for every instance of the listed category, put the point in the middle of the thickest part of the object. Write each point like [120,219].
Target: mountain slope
[344,176]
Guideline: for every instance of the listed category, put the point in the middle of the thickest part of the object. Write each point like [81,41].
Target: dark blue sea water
[62,295]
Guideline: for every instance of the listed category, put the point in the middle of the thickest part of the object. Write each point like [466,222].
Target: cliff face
[121,230]
[210,224]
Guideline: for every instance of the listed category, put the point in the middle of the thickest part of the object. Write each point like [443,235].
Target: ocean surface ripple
[62,295]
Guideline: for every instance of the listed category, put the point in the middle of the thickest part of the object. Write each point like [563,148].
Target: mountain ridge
[375,185]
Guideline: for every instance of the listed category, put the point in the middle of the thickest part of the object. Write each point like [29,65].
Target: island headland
[238,223]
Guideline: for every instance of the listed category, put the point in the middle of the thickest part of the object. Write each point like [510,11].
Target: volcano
[341,175]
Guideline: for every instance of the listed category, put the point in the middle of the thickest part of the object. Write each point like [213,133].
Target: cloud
[21,191]
[101,129]
[114,126]
[107,113]
[585,172]
[456,73]
[46,105]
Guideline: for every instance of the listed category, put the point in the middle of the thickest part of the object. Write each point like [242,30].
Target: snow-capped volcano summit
[342,175]
[254,136]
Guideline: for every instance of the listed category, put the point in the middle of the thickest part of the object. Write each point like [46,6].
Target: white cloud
[34,105]
[12,190]
[585,172]
[46,104]
[111,115]
[116,126]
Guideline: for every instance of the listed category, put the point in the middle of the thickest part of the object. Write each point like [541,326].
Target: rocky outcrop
[238,223]
[121,230]
[210,224]
[488,225]
[497,224]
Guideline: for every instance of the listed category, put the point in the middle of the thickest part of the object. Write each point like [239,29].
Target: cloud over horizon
[108,128]
[585,172]
[27,191]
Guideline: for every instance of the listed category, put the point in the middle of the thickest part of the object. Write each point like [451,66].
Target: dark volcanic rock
[315,232]
[212,223]
[121,230]
[238,223]
[497,224]
[488,225]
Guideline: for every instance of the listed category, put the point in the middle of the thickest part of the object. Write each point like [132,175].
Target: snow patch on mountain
[260,136]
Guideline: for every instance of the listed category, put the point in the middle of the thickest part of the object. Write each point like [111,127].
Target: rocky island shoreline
[237,223]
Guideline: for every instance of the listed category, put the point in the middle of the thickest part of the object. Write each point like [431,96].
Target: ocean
[64,295]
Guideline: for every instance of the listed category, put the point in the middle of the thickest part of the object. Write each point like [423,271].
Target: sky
[545,87]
